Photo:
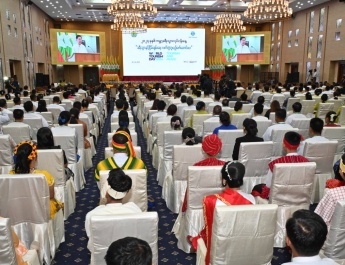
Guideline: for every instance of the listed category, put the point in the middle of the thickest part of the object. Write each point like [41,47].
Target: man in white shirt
[279,97]
[4,118]
[181,105]
[17,103]
[29,108]
[34,101]
[255,94]
[215,103]
[306,233]
[296,108]
[161,113]
[258,110]
[18,116]
[315,130]
[215,114]
[78,47]
[242,48]
[171,111]
[280,124]
[55,104]
[116,189]
[190,105]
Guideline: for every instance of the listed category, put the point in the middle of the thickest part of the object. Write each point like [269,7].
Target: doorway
[91,76]
[341,70]
[231,71]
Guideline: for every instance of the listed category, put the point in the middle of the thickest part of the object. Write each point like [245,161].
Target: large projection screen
[164,52]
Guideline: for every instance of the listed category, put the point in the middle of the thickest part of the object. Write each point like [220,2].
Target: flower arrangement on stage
[110,66]
[216,66]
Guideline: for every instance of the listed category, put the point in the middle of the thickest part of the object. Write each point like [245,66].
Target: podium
[250,57]
[87,57]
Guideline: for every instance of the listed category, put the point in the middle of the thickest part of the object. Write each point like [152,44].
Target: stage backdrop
[163,52]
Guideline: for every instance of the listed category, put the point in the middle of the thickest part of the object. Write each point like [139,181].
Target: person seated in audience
[119,103]
[306,233]
[291,142]
[224,119]
[25,155]
[42,106]
[190,106]
[280,124]
[256,93]
[4,118]
[330,119]
[29,108]
[74,113]
[18,116]
[189,138]
[324,99]
[176,123]
[237,109]
[258,110]
[78,106]
[200,109]
[34,99]
[3,106]
[244,99]
[250,130]
[182,104]
[124,155]
[129,250]
[291,94]
[334,193]
[315,131]
[17,103]
[171,112]
[45,140]
[296,108]
[151,97]
[116,189]
[66,97]
[216,102]
[232,180]
[273,108]
[215,114]
[55,104]
[308,96]
[123,120]
[225,102]
[161,113]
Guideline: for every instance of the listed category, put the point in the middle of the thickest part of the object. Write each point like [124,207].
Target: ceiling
[186,11]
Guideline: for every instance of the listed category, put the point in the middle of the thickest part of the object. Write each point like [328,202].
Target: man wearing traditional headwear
[124,155]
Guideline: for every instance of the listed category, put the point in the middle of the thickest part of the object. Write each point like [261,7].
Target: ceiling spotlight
[78,3]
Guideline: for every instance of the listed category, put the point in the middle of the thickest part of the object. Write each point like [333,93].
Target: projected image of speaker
[45,80]
[39,80]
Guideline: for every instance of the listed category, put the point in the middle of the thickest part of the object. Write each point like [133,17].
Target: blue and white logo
[192,33]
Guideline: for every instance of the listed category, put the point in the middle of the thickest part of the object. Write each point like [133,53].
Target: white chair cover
[68,104]
[115,126]
[262,127]
[337,134]
[115,119]
[228,139]
[322,153]
[334,245]
[67,143]
[209,126]
[303,125]
[6,154]
[257,223]
[49,117]
[308,107]
[277,139]
[279,97]
[138,192]
[18,133]
[255,157]
[187,115]
[198,122]
[290,102]
[170,138]
[35,124]
[247,107]
[292,185]
[337,104]
[268,98]
[89,152]
[134,136]
[323,109]
[7,251]
[202,181]
[342,116]
[107,229]
[52,161]
[109,151]
[237,119]
[153,147]
[273,117]
[28,208]
[175,184]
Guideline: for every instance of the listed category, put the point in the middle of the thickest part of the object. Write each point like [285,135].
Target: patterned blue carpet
[74,250]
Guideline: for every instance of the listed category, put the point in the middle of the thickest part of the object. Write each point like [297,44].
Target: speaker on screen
[39,79]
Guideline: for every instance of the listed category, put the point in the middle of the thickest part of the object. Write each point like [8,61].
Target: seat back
[170,138]
[161,128]
[237,119]
[107,229]
[323,109]
[292,184]
[7,250]
[35,124]
[290,102]
[337,103]
[334,246]
[228,139]
[153,129]
[68,144]
[342,116]
[256,234]
[247,107]
[18,133]
[268,98]
[187,115]
[27,198]
[308,106]
[338,134]
[89,114]
[303,125]
[202,181]
[183,157]
[115,119]
[278,97]
[277,139]
[209,126]
[52,161]
[322,153]
[273,117]
[262,127]
[138,192]
[115,125]
[80,134]
[48,116]
[6,150]
[68,104]
[109,151]
[198,122]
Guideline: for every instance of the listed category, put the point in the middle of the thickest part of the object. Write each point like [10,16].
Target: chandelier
[228,22]
[144,7]
[129,23]
[266,10]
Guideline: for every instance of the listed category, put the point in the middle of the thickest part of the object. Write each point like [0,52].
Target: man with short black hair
[190,102]
[55,104]
[315,131]
[215,113]
[161,113]
[280,124]
[258,110]
[18,116]
[17,103]
[296,108]
[224,119]
[129,251]
[306,233]
[29,108]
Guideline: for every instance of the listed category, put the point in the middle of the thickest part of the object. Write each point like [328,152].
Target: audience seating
[338,134]
[237,119]
[107,229]
[342,116]
[201,181]
[255,157]
[209,126]
[262,127]
[6,154]
[49,117]
[109,151]
[198,122]
[290,102]
[187,114]
[302,124]
[35,124]
[273,117]
[18,133]
[228,140]
[156,144]
[247,107]
[308,107]
[277,139]
[175,184]
[7,250]
[323,109]
[291,189]
[337,104]
[115,126]
[239,227]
